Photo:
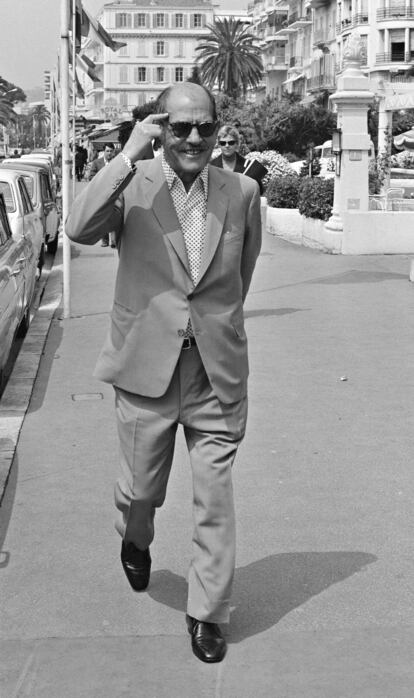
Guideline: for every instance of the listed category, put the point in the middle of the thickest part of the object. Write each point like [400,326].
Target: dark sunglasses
[227,142]
[182,129]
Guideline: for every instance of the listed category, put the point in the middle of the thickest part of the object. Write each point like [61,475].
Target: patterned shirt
[191,209]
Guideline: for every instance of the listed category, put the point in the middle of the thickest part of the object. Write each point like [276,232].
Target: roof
[153,4]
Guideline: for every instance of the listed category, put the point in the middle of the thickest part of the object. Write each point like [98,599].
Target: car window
[4,228]
[9,199]
[29,182]
[27,204]
[46,193]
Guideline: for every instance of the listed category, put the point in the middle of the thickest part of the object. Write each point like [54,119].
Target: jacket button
[190,296]
[181,333]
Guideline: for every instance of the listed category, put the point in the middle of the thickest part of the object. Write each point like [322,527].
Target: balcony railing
[396,12]
[360,18]
[324,81]
[394,57]
[299,20]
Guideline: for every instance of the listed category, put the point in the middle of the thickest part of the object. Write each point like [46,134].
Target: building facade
[303,42]
[160,38]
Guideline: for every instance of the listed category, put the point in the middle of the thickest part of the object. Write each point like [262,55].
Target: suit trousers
[213,431]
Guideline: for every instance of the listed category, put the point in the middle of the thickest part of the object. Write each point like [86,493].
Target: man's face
[109,153]
[187,155]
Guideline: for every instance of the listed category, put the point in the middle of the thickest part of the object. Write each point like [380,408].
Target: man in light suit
[188,237]
[96,166]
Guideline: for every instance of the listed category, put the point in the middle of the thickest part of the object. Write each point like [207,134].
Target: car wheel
[53,245]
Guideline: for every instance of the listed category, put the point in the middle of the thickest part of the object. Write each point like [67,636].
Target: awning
[293,79]
[405,141]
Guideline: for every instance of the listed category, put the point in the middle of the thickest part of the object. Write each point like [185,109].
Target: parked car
[17,284]
[43,200]
[24,221]
[41,159]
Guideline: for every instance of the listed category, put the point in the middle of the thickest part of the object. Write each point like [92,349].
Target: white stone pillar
[352,100]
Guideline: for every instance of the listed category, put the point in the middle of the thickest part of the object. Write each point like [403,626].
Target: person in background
[96,166]
[188,237]
[230,159]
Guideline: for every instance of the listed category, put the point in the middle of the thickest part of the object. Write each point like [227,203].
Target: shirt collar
[172,176]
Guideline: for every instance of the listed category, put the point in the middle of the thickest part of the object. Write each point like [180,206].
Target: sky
[30,36]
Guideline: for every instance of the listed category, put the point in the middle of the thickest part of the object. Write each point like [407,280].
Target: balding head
[187,91]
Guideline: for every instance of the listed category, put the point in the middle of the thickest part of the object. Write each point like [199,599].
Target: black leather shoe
[137,565]
[207,641]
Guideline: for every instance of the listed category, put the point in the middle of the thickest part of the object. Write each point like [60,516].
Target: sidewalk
[323,595]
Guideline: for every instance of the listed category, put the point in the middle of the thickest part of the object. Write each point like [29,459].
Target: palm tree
[41,116]
[7,113]
[229,58]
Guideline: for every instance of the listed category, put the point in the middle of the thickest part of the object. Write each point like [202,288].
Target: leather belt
[189,342]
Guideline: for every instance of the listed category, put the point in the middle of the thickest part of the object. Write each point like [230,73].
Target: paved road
[323,597]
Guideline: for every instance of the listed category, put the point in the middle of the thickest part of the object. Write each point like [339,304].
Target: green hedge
[313,196]
[283,191]
[316,197]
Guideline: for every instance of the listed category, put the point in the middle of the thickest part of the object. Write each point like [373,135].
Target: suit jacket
[96,166]
[154,292]
[241,163]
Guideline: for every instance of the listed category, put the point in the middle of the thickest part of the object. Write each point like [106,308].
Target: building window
[179,21]
[159,20]
[140,74]
[198,20]
[160,74]
[122,19]
[123,73]
[160,48]
[140,20]
[179,74]
[123,51]
[123,99]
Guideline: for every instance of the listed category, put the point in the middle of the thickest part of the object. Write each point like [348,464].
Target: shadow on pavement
[268,589]
[54,339]
[269,312]
[359,276]
[6,509]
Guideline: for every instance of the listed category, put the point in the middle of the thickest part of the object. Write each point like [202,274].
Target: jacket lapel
[217,205]
[159,197]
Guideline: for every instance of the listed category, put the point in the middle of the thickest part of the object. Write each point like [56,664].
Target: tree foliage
[9,96]
[286,125]
[229,58]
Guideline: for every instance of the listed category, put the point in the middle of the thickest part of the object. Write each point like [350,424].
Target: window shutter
[135,74]
[203,20]
[136,21]
[154,48]
[166,75]
[117,21]
[191,21]
[154,21]
[147,20]
[166,48]
[154,75]
[185,21]
[166,22]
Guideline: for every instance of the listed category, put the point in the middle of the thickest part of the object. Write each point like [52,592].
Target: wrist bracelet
[128,162]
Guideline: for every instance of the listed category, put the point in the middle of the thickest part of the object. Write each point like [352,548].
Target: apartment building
[160,38]
[303,41]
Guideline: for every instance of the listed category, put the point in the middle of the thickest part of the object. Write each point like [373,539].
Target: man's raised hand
[143,133]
